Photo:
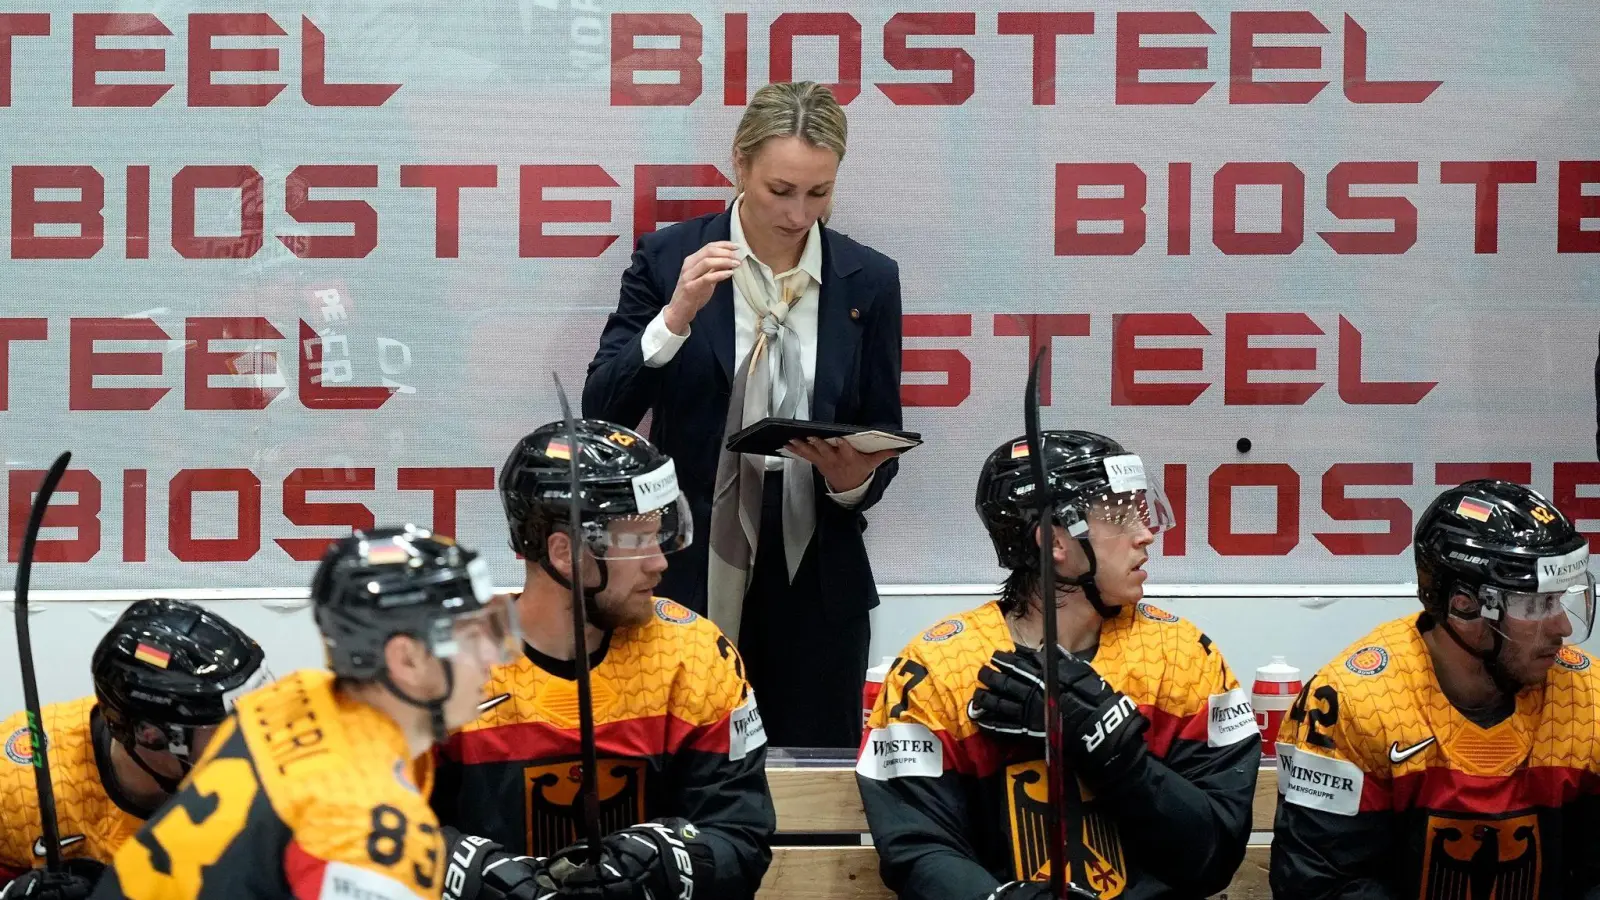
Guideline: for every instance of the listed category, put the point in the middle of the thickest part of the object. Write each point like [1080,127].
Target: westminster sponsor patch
[901,750]
[1320,782]
[1230,718]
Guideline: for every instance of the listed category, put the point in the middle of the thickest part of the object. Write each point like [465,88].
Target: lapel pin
[855,313]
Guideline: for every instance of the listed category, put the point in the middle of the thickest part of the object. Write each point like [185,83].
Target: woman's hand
[844,467]
[700,275]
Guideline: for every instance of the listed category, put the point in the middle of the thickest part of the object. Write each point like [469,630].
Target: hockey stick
[48,826]
[589,762]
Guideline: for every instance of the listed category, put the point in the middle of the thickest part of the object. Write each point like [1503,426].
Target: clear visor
[1576,602]
[490,633]
[1132,512]
[665,530]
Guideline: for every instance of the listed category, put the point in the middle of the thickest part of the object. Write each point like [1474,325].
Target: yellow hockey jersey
[304,793]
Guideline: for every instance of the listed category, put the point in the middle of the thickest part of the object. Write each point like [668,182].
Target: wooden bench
[825,800]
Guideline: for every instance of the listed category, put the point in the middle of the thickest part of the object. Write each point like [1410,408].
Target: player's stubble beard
[609,612]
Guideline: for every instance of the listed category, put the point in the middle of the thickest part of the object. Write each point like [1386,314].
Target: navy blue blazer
[857,382]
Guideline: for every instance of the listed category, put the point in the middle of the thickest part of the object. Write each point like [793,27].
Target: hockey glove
[1100,727]
[75,881]
[478,869]
[1040,890]
[645,862]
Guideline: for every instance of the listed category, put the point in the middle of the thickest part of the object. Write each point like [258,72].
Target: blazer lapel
[716,317]
[838,333]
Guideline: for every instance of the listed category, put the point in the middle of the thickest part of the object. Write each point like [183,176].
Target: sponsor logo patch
[901,750]
[19,749]
[1156,613]
[944,631]
[1368,661]
[1230,718]
[675,612]
[1572,658]
[746,731]
[1319,782]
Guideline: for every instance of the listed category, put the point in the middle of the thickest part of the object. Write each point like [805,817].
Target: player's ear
[405,659]
[558,549]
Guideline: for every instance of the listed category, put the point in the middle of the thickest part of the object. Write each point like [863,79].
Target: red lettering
[735,58]
[1045,27]
[28,212]
[649,210]
[134,487]
[315,394]
[1573,206]
[187,184]
[1241,359]
[1398,210]
[85,363]
[905,58]
[1354,391]
[245,487]
[1133,57]
[445,483]
[790,25]
[447,182]
[138,217]
[1179,218]
[1175,481]
[1448,474]
[17,25]
[82,515]
[89,60]
[628,60]
[300,511]
[1286,533]
[535,212]
[1291,183]
[358,214]
[1041,329]
[1569,476]
[953,364]
[1357,89]
[1072,209]
[314,84]
[1488,176]
[200,363]
[1128,359]
[1340,508]
[1247,57]
[16,330]
[205,59]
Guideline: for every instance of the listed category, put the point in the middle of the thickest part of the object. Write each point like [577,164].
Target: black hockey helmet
[622,477]
[1509,548]
[166,668]
[1090,475]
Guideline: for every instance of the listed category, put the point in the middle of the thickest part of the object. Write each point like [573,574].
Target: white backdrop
[432,360]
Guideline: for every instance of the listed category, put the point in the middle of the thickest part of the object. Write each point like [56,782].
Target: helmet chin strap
[591,595]
[1086,582]
[435,706]
[1490,658]
[168,784]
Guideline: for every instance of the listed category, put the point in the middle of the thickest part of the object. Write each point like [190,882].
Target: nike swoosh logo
[68,841]
[1398,756]
[492,702]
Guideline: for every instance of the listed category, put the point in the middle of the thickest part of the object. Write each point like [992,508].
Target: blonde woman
[765,303]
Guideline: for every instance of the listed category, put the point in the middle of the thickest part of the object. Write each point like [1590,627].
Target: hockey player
[165,675]
[317,786]
[1455,753]
[1158,737]
[682,779]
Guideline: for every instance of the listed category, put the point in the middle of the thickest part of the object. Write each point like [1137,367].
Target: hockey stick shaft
[48,826]
[589,791]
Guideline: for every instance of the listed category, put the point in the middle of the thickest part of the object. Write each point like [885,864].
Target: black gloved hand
[1040,890]
[478,869]
[75,881]
[644,862]
[1100,727]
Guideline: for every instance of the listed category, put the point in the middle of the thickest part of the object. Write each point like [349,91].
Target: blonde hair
[803,109]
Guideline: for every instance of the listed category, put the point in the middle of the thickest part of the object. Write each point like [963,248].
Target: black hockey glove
[645,862]
[75,881]
[1040,890]
[478,869]
[1100,727]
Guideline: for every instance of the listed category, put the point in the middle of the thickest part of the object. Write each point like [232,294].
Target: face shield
[491,631]
[1566,588]
[662,524]
[1131,504]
